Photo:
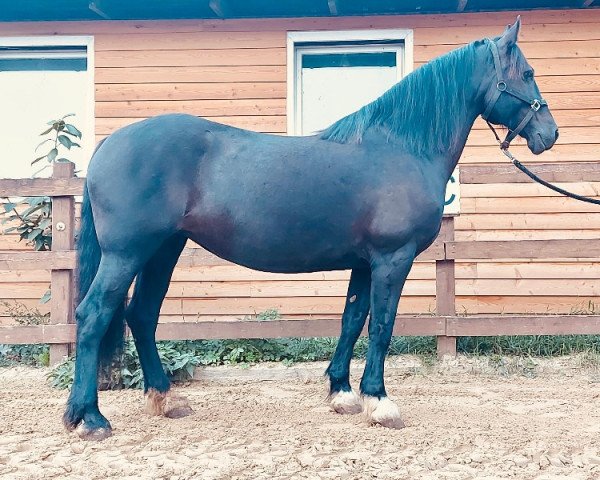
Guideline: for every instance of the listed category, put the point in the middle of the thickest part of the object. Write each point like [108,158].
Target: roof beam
[462,4]
[221,8]
[96,7]
[333,7]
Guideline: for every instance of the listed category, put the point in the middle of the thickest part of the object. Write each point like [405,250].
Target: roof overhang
[58,10]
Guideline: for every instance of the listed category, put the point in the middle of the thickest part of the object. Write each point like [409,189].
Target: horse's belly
[275,248]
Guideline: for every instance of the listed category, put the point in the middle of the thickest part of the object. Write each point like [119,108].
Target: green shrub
[32,355]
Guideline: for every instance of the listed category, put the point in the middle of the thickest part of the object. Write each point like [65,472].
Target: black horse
[366,194]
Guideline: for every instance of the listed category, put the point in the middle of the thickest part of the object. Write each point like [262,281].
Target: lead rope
[504,148]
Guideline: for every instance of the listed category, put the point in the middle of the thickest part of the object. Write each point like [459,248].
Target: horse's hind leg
[94,314]
[342,398]
[142,317]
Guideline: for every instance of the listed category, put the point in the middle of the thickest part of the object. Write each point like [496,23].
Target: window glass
[335,83]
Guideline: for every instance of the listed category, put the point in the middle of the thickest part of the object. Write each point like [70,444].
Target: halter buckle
[536,105]
[501,85]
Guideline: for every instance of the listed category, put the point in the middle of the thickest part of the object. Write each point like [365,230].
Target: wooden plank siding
[234,72]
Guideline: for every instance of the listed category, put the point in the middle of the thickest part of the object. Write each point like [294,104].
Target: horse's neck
[463,123]
[454,154]
[455,120]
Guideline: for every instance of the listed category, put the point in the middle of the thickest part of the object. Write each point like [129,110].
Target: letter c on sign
[453,196]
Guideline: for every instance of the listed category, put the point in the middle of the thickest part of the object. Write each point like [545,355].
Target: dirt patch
[465,419]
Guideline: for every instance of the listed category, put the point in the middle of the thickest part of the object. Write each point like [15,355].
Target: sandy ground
[465,419]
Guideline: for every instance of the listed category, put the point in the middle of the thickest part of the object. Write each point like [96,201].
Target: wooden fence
[445,324]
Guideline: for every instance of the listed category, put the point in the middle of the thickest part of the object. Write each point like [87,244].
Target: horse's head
[512,97]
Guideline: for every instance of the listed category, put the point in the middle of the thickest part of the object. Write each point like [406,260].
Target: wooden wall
[235,72]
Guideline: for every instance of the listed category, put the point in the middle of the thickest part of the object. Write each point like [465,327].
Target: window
[334,73]
[43,78]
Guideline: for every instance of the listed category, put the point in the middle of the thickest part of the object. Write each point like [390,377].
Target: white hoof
[382,411]
[347,403]
[97,434]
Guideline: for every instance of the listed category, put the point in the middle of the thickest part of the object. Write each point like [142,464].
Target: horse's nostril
[556,135]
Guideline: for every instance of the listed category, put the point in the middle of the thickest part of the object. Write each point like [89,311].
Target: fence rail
[446,325]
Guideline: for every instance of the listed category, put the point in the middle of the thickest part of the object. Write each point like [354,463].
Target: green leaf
[52,154]
[45,141]
[34,233]
[45,223]
[11,229]
[31,209]
[40,170]
[31,201]
[46,132]
[39,243]
[66,141]
[8,207]
[38,159]
[46,297]
[70,129]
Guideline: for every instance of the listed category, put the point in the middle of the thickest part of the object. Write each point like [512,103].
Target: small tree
[32,216]
[34,223]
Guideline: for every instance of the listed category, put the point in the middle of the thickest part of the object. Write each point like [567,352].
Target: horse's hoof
[382,411]
[346,403]
[177,406]
[93,434]
[167,404]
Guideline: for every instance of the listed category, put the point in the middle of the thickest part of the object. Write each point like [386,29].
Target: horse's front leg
[342,398]
[389,272]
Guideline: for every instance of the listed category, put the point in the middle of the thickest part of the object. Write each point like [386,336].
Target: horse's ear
[511,34]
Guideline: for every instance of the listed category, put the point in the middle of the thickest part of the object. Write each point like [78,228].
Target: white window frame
[405,59]
[68,40]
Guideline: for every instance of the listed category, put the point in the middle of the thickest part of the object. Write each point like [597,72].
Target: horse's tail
[89,255]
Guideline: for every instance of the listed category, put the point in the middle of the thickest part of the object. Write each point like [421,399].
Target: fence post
[63,239]
[445,282]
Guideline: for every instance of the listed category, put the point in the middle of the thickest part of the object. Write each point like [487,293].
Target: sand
[466,419]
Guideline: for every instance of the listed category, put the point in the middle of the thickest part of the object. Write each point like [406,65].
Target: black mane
[421,109]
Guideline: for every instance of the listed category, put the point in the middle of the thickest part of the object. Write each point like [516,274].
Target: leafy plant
[33,355]
[61,376]
[33,215]
[177,359]
[33,223]
[61,135]
[270,314]
[180,358]
[23,315]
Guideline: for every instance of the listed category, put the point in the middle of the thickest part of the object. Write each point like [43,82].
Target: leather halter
[501,87]
[535,105]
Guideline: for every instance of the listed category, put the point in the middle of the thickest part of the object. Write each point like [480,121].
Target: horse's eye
[528,75]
